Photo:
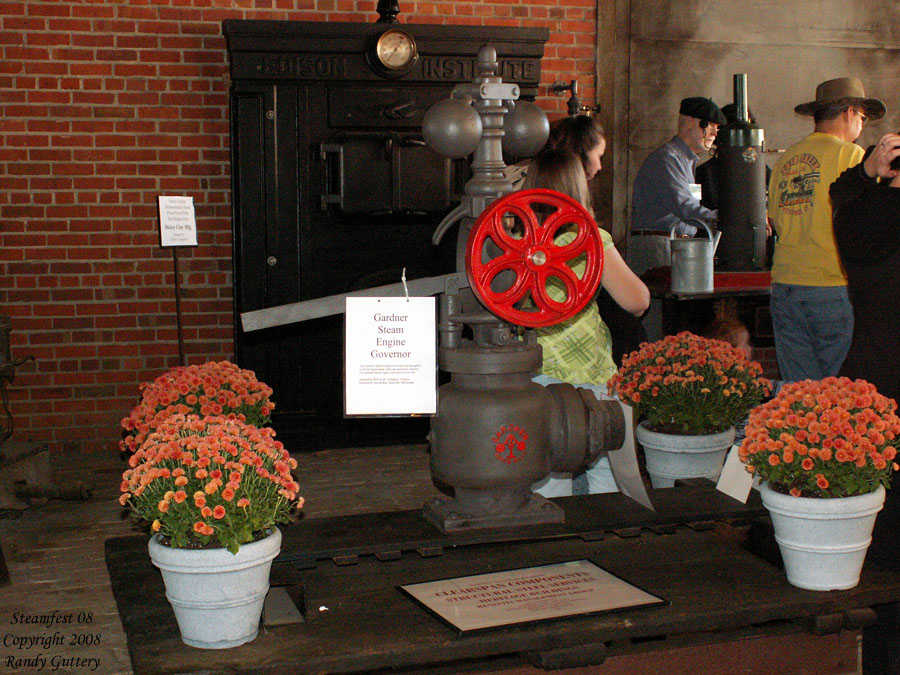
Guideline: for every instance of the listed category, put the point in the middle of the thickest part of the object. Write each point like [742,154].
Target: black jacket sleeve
[866,217]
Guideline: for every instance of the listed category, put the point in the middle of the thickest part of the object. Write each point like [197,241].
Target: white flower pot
[823,542]
[673,456]
[217,597]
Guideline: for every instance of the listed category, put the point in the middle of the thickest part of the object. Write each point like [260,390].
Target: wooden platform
[344,573]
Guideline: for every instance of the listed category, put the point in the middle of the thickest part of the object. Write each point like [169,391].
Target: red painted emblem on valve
[523,241]
[509,443]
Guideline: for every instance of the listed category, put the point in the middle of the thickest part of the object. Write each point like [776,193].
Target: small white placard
[390,356]
[735,481]
[177,224]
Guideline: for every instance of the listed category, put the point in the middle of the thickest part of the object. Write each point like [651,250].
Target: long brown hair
[560,170]
[578,134]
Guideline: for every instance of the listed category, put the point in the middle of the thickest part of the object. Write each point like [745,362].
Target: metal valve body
[492,430]
[497,432]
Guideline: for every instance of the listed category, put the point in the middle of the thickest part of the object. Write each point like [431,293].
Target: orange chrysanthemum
[689,384]
[213,388]
[845,431]
[164,472]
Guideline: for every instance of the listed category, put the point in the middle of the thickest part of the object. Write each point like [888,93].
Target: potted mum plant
[212,489]
[824,452]
[689,392]
[212,388]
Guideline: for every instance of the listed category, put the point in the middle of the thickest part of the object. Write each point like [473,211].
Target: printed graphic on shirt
[797,183]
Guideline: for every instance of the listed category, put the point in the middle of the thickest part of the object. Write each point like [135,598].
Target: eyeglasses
[864,118]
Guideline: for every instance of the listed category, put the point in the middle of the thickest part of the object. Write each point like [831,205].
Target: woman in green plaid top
[579,350]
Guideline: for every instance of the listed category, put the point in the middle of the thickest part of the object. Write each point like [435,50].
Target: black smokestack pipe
[742,107]
[388,11]
[742,188]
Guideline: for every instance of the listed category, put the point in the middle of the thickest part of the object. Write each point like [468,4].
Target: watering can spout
[716,237]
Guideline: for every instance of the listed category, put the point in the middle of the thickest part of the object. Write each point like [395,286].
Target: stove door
[376,162]
[386,174]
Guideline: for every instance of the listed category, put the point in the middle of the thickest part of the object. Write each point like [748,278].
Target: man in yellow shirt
[811,313]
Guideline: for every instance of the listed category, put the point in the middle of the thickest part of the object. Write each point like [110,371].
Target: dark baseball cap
[703,109]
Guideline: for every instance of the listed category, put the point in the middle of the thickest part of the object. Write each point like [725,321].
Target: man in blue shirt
[662,198]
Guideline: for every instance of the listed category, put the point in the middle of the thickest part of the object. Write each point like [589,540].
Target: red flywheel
[505,264]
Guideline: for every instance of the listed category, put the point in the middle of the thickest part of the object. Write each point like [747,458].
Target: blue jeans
[813,328]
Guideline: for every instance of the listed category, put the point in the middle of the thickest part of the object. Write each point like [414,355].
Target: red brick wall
[103,107]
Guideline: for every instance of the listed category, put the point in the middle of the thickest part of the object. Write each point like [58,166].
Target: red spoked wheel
[537,251]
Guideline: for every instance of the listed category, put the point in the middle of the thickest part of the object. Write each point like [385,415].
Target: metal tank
[742,189]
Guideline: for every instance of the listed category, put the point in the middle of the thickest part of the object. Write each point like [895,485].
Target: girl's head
[731,331]
[582,135]
[560,170]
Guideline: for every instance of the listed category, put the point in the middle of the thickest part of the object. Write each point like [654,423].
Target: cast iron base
[448,515]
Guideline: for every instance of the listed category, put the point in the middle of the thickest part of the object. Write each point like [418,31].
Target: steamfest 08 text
[46,651]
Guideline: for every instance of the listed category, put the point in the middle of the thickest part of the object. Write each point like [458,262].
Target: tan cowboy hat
[843,90]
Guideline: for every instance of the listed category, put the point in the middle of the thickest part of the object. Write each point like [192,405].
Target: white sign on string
[390,360]
[735,481]
[177,223]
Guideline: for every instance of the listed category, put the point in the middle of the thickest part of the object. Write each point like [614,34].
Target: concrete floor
[54,550]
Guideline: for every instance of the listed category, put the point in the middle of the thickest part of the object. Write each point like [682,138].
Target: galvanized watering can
[692,262]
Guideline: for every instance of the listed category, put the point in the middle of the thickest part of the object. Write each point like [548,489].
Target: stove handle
[333,195]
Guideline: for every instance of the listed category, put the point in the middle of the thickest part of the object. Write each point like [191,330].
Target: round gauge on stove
[396,50]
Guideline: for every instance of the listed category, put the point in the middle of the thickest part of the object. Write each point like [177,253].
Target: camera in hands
[895,163]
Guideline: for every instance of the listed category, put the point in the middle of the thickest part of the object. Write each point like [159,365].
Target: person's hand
[879,162]
[769,228]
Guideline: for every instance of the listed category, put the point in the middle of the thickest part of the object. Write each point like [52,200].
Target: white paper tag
[735,480]
[623,462]
[177,224]
[696,190]
[390,356]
